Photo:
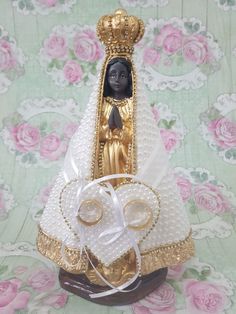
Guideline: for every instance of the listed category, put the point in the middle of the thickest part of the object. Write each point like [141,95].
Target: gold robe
[116,146]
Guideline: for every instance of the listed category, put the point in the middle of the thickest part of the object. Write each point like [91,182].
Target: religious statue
[114,220]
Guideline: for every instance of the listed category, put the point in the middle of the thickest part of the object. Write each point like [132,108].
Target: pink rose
[70,129]
[195,49]
[176,272]
[20,270]
[44,194]
[224,132]
[86,46]
[10,298]
[48,3]
[155,113]
[56,46]
[73,71]
[7,59]
[170,38]
[170,139]
[185,188]
[167,62]
[161,300]
[51,147]
[208,196]
[42,280]
[26,137]
[57,299]
[204,297]
[151,56]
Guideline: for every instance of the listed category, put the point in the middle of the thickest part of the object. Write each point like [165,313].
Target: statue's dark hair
[107,90]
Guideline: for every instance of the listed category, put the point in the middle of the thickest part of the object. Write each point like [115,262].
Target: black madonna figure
[114,220]
[115,138]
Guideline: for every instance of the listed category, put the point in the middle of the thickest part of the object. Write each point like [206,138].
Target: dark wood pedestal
[81,286]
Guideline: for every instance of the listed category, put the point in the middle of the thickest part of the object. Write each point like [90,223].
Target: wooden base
[81,286]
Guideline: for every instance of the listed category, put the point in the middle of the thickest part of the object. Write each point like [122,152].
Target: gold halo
[91,204]
[148,211]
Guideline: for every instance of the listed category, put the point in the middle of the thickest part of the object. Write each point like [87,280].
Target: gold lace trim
[154,259]
[117,102]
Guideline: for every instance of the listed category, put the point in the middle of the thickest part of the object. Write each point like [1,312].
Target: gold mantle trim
[154,259]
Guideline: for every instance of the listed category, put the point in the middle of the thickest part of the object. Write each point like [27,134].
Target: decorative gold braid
[61,210]
[95,154]
[167,255]
[153,259]
[52,247]
[117,102]
[134,119]
[100,160]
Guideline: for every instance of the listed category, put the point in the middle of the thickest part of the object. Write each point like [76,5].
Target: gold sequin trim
[167,255]
[154,259]
[51,248]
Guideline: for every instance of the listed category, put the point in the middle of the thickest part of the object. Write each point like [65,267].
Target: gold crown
[119,32]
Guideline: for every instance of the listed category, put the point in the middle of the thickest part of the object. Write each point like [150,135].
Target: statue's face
[118,78]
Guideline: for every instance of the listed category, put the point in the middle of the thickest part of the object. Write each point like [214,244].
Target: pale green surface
[29,32]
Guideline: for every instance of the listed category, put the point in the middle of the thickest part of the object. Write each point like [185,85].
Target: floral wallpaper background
[49,59]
